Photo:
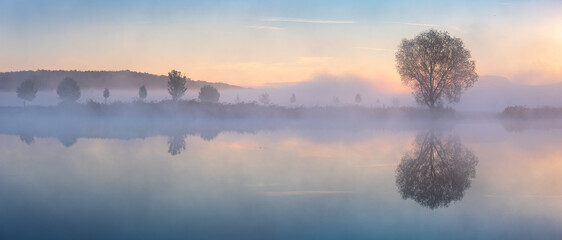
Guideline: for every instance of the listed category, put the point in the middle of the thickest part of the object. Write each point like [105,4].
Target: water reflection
[177,144]
[437,171]
[68,139]
[209,134]
[27,138]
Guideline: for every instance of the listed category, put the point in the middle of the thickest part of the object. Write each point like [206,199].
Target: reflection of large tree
[437,171]
[177,144]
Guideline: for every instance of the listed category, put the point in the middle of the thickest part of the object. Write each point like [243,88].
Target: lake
[480,179]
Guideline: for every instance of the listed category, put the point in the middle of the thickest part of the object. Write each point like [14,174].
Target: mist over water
[338,177]
[280,119]
[339,160]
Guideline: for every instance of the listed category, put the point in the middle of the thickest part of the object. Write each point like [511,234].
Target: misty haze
[281,120]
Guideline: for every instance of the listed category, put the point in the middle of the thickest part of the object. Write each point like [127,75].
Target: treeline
[520,112]
[46,80]
[69,90]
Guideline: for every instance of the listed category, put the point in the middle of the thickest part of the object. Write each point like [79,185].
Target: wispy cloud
[380,165]
[303,20]
[427,25]
[296,193]
[415,24]
[378,49]
[265,27]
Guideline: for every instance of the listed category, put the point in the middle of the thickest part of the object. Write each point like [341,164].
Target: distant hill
[46,80]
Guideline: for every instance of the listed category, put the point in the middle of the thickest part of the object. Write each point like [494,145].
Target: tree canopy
[176,84]
[209,93]
[142,92]
[106,94]
[435,65]
[27,91]
[68,90]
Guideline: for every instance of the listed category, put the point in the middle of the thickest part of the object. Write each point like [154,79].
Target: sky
[269,43]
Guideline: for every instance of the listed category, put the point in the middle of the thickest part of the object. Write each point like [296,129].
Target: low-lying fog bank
[168,118]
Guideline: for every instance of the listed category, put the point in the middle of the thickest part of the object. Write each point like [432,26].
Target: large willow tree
[435,65]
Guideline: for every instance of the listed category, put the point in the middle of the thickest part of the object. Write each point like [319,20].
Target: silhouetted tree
[27,91]
[336,100]
[68,90]
[105,94]
[264,99]
[237,99]
[177,144]
[209,94]
[142,93]
[293,98]
[435,65]
[437,171]
[176,84]
[358,98]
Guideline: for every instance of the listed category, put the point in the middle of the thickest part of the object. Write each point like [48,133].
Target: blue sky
[258,42]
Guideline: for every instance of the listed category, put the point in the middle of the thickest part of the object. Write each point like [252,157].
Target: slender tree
[435,65]
[209,93]
[27,91]
[358,98]
[142,93]
[336,100]
[176,84]
[105,95]
[68,90]
[293,98]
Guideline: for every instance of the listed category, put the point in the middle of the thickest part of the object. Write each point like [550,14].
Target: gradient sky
[257,43]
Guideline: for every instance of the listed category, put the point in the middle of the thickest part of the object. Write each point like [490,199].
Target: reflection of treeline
[520,112]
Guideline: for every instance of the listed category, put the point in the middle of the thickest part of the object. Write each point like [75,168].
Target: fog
[182,174]
[157,167]
[491,94]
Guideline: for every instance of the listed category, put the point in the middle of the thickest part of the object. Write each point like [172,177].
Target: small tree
[293,99]
[209,94]
[435,65]
[27,91]
[176,84]
[336,100]
[358,98]
[68,90]
[264,99]
[237,99]
[105,95]
[142,93]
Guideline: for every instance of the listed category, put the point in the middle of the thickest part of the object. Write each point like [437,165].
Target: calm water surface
[473,181]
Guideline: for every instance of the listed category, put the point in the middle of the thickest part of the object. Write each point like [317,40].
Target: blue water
[282,184]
